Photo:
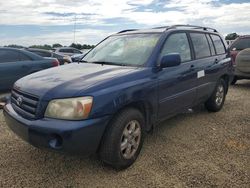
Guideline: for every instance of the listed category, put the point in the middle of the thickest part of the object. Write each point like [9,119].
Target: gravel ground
[198,149]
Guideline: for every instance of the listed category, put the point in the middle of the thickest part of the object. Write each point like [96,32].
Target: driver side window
[177,43]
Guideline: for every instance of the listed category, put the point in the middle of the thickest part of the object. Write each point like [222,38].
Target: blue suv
[122,88]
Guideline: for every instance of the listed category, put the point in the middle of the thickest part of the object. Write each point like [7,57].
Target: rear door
[205,58]
[209,54]
[176,84]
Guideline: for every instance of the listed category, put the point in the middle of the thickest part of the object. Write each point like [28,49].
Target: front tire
[216,100]
[123,139]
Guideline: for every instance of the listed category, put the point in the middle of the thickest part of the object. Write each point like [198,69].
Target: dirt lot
[200,149]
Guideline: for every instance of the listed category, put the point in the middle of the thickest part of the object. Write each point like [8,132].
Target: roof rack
[191,26]
[123,31]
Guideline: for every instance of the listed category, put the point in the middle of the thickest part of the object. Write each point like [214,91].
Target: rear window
[24,57]
[43,54]
[241,44]
[66,50]
[77,51]
[201,46]
[219,46]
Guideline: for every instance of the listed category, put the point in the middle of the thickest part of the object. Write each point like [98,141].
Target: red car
[241,68]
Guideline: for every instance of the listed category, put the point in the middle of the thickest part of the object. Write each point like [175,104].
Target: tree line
[230,36]
[50,47]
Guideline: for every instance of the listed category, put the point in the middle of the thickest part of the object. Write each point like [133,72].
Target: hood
[68,80]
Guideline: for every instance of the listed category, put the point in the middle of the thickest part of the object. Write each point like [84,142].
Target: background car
[238,45]
[242,66]
[16,63]
[78,57]
[63,59]
[67,51]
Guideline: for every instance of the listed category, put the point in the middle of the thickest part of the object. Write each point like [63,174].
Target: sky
[38,22]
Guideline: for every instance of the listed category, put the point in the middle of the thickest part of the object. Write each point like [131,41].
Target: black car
[46,53]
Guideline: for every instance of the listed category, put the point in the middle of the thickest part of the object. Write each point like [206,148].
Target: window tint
[43,54]
[219,46]
[201,47]
[8,56]
[211,45]
[77,52]
[24,57]
[66,50]
[56,55]
[241,44]
[177,43]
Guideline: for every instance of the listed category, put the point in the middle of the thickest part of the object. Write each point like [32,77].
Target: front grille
[24,104]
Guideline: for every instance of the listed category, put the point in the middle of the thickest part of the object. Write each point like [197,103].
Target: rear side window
[8,56]
[211,45]
[201,46]
[177,43]
[219,46]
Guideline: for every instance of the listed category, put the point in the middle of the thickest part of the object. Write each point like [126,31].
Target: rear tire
[123,139]
[216,100]
[234,80]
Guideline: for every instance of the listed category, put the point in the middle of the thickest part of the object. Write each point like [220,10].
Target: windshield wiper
[82,61]
[107,63]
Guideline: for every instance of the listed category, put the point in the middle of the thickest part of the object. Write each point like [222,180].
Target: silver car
[67,51]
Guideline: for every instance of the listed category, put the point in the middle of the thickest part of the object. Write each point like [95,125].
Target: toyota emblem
[19,101]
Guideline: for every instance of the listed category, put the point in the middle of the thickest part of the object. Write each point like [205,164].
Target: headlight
[69,109]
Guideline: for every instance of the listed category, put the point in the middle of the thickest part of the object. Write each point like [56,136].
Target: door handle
[192,67]
[216,61]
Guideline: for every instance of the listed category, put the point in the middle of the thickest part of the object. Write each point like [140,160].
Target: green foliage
[14,46]
[231,36]
[57,45]
[44,47]
[84,46]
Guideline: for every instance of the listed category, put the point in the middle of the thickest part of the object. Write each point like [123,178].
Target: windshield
[130,50]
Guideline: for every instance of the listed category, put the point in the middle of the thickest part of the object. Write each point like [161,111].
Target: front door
[177,85]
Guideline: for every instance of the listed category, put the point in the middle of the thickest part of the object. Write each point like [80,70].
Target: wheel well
[225,77]
[144,109]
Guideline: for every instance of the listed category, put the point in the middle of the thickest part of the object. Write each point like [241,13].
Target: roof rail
[191,26]
[126,30]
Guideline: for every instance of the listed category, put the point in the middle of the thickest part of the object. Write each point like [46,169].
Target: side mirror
[170,60]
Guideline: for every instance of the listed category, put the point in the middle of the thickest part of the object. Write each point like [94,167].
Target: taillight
[55,63]
[233,57]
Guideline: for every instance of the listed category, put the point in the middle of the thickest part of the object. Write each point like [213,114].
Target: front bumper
[68,136]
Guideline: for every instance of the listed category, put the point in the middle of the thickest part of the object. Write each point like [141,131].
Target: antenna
[75,29]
